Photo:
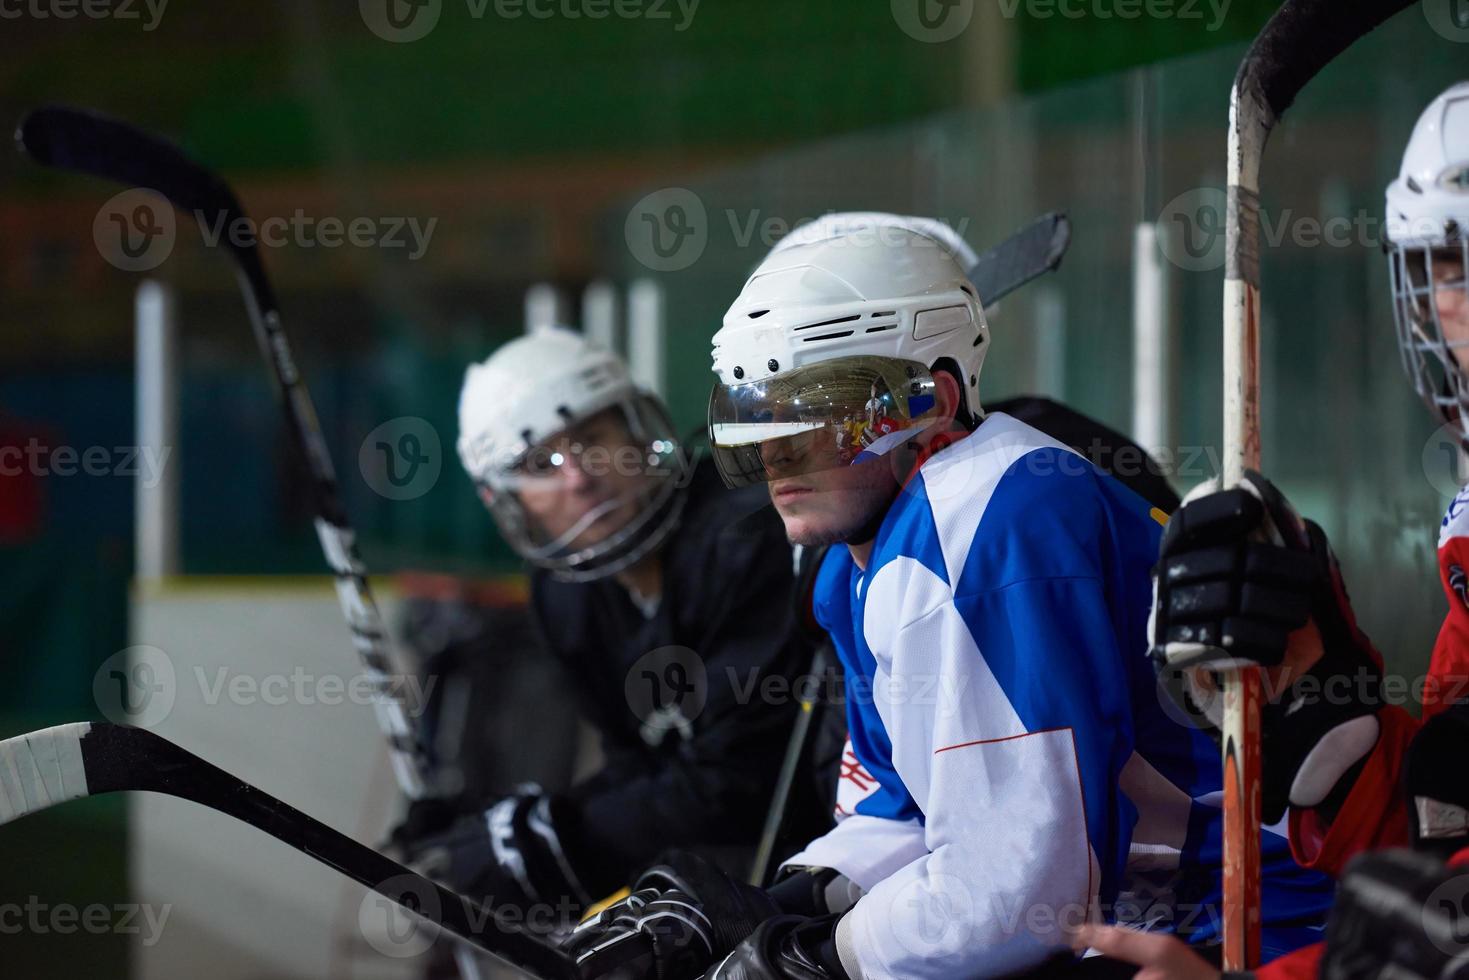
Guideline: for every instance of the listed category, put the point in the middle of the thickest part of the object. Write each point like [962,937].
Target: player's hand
[425,819]
[788,947]
[682,916]
[510,853]
[1160,956]
[1241,578]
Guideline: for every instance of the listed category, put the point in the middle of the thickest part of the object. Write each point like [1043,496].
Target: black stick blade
[87,142]
[1301,39]
[1028,254]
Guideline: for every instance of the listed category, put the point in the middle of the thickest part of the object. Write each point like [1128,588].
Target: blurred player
[662,594]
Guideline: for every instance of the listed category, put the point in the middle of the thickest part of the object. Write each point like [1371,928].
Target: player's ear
[947,396]
[486,495]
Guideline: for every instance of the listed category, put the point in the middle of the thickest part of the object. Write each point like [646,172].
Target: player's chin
[812,522]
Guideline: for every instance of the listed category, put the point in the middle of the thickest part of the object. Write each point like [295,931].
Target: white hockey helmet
[530,392]
[1428,226]
[838,332]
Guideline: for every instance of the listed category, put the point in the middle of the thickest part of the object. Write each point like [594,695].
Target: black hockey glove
[682,916]
[509,854]
[1438,793]
[425,820]
[1398,914]
[1238,572]
[789,947]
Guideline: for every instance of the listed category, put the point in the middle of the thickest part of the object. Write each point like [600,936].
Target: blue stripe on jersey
[838,610]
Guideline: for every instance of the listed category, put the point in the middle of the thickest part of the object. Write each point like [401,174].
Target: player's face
[593,473]
[1452,298]
[828,504]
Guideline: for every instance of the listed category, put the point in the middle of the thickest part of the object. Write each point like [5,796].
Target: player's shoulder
[1006,480]
[1455,522]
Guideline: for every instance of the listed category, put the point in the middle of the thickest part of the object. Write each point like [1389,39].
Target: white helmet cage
[526,396]
[1427,221]
[852,284]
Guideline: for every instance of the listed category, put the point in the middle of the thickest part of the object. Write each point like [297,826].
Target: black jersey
[694,703]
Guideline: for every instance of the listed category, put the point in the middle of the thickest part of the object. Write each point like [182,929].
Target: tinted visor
[820,417]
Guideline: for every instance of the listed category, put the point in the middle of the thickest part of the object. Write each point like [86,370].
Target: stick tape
[41,769]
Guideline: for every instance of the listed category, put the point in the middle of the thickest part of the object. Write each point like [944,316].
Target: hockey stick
[1301,38]
[1028,254]
[90,143]
[70,762]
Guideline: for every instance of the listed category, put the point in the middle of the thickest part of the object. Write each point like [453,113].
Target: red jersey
[1448,672]
[1375,815]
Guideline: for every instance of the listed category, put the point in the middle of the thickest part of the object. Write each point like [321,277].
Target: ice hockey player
[1354,772]
[662,594]
[1014,772]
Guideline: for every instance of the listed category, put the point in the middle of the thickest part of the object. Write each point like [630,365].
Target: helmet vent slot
[756,314]
[884,313]
[827,336]
[827,323]
[880,329]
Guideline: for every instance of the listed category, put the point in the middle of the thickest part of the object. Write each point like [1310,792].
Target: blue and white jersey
[1013,768]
